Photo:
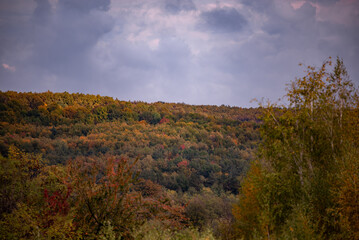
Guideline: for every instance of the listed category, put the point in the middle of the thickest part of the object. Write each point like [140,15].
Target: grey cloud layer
[199,52]
[175,6]
[57,45]
[224,20]
[85,6]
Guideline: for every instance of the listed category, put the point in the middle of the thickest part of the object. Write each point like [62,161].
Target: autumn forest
[80,166]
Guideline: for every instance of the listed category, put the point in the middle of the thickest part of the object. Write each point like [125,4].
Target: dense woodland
[191,157]
[179,146]
[76,166]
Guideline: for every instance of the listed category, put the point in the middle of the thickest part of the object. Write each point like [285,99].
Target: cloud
[8,67]
[42,12]
[259,5]
[85,6]
[324,2]
[193,51]
[224,20]
[51,48]
[175,6]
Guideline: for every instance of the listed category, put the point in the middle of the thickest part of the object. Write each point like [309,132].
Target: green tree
[303,146]
[17,173]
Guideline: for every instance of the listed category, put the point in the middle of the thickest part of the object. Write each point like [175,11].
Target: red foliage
[156,204]
[57,202]
[182,147]
[183,163]
[164,120]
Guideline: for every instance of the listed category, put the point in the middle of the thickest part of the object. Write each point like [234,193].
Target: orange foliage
[247,211]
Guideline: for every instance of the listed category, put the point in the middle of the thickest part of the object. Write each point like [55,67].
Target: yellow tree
[303,146]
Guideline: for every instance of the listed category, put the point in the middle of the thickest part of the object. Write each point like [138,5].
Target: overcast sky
[192,51]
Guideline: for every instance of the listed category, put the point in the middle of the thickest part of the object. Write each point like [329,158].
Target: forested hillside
[193,156]
[178,146]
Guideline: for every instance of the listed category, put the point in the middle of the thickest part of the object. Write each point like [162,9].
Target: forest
[80,166]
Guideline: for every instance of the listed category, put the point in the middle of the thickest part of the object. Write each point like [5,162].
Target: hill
[181,147]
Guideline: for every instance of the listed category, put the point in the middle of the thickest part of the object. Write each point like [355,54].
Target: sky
[193,51]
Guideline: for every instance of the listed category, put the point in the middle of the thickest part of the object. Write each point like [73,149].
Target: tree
[34,202]
[17,173]
[102,195]
[303,147]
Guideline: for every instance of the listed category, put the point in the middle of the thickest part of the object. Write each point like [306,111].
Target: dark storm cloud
[306,11]
[259,5]
[85,6]
[175,6]
[224,20]
[62,47]
[309,33]
[301,22]
[57,41]
[42,12]
[325,2]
